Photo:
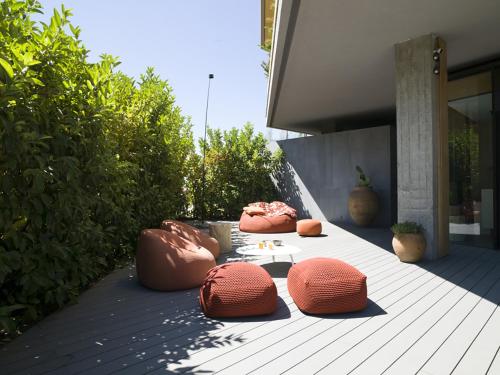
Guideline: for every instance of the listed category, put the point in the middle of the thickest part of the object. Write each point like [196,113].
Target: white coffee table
[253,250]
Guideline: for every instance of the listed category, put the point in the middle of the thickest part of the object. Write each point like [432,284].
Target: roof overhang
[332,62]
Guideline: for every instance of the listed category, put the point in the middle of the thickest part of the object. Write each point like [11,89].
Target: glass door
[471,153]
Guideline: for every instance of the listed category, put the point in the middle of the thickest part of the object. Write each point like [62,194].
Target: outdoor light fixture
[210,76]
[436,56]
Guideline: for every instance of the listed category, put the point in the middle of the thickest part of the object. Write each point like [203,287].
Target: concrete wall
[320,172]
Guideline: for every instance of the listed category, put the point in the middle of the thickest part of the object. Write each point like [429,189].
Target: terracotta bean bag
[192,234]
[237,290]
[267,224]
[309,227]
[327,286]
[167,262]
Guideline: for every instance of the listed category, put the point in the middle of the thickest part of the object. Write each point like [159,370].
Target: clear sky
[184,41]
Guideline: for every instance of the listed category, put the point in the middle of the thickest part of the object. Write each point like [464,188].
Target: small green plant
[363,180]
[406,227]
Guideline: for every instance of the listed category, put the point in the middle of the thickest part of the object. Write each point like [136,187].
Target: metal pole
[210,76]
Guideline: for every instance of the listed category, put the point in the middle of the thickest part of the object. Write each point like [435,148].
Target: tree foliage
[238,170]
[89,157]
[265,65]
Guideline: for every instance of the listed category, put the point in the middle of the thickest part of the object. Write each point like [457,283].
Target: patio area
[436,317]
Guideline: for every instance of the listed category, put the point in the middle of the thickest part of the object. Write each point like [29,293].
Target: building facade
[408,90]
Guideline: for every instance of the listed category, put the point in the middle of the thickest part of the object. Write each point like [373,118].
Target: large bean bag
[267,224]
[263,217]
[192,234]
[236,290]
[166,261]
[309,227]
[327,286]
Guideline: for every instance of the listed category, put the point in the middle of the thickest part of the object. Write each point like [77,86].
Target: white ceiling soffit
[334,60]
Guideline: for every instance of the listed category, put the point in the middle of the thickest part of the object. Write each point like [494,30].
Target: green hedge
[88,158]
[238,170]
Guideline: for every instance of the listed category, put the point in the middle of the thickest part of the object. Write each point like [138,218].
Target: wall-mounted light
[436,56]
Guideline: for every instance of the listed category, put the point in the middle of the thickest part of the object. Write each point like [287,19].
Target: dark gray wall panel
[320,172]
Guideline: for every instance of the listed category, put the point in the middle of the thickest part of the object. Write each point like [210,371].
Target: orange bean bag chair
[309,227]
[327,286]
[267,224]
[166,261]
[192,234]
[236,290]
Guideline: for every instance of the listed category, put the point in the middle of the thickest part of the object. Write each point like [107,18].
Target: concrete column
[422,139]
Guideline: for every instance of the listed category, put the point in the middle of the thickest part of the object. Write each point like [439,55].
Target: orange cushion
[267,224]
[327,286]
[309,227]
[238,289]
[192,234]
[254,211]
[165,261]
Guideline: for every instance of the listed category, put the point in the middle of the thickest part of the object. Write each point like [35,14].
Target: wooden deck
[438,317]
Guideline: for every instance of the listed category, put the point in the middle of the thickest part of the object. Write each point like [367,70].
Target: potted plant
[408,242]
[363,201]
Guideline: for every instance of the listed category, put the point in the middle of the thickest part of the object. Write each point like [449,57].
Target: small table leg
[273,259]
[291,257]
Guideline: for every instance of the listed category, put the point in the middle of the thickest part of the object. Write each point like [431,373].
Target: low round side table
[254,250]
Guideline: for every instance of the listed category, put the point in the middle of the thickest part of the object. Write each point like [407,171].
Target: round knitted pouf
[309,227]
[236,290]
[327,286]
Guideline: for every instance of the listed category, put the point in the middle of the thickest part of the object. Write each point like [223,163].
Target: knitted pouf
[236,290]
[309,227]
[327,286]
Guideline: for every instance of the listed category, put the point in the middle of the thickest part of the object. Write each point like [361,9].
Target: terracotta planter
[409,247]
[363,205]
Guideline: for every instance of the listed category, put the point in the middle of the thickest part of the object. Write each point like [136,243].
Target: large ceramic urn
[363,205]
[409,247]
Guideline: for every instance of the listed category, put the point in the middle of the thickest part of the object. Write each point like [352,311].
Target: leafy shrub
[238,170]
[363,180]
[87,159]
[406,227]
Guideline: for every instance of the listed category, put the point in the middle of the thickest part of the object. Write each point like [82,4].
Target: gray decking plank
[303,353]
[483,350]
[415,357]
[65,342]
[361,265]
[363,258]
[455,346]
[452,307]
[494,367]
[224,360]
[288,353]
[335,346]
